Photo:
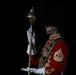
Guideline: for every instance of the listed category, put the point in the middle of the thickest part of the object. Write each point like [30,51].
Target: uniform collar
[55,36]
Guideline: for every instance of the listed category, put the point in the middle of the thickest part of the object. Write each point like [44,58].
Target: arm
[34,58]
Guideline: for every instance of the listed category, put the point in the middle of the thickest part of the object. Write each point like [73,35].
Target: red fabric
[34,59]
[58,66]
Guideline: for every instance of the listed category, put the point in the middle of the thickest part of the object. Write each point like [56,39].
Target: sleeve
[34,59]
[56,61]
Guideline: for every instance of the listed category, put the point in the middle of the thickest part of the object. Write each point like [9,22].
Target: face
[49,29]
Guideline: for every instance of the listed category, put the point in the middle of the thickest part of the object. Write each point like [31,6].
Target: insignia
[58,56]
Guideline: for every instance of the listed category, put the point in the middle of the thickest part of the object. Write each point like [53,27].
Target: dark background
[13,26]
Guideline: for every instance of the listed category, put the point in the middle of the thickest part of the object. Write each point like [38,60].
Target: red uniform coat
[56,62]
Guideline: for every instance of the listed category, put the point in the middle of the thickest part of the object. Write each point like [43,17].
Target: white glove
[33,52]
[40,71]
[28,69]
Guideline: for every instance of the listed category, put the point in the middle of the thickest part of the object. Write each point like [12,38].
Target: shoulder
[60,50]
[61,44]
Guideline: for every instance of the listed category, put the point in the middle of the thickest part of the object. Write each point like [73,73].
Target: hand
[28,69]
[34,70]
[40,71]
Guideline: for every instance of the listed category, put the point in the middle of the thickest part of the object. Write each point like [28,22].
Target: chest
[46,49]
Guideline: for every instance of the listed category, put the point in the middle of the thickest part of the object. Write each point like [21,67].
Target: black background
[13,26]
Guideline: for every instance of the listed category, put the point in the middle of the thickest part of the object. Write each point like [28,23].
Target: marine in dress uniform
[54,55]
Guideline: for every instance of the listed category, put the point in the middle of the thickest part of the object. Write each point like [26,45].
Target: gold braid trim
[48,72]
